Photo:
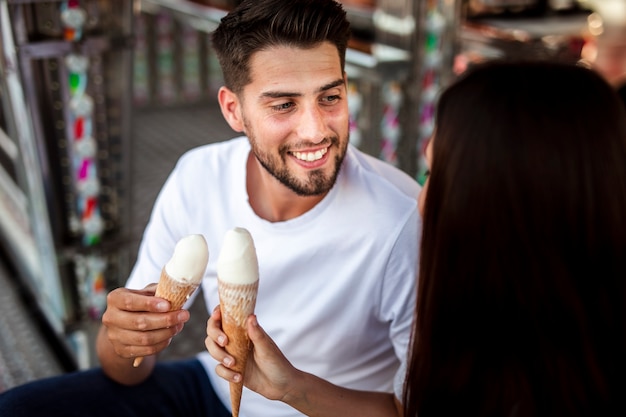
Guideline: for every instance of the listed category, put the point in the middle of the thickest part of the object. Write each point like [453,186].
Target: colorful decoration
[89,271]
[432,54]
[355,103]
[86,221]
[165,63]
[141,66]
[191,76]
[84,150]
[73,18]
[390,124]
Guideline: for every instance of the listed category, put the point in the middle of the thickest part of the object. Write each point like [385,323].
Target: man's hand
[140,324]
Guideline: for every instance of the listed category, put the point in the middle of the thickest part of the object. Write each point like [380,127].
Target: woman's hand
[268,372]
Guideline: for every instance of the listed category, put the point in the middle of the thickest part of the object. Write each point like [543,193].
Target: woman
[521,304]
[522,295]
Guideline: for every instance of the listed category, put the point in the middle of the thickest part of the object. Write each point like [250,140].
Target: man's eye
[331,99]
[282,107]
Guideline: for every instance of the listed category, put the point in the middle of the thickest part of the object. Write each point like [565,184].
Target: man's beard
[317,183]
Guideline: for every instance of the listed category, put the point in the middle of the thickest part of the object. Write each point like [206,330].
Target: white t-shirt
[337,284]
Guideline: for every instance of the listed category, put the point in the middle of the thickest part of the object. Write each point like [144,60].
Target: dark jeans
[179,388]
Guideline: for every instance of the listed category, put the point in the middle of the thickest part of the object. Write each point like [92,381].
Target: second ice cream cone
[237,302]
[237,284]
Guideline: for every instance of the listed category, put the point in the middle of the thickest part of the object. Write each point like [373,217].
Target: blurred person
[521,305]
[336,233]
[610,59]
[605,50]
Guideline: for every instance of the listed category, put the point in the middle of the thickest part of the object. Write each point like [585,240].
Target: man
[336,231]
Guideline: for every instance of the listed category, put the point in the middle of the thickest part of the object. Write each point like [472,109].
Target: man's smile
[310,156]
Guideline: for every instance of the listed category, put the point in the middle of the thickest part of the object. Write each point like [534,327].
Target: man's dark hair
[256,25]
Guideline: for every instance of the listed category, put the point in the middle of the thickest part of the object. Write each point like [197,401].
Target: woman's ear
[229,103]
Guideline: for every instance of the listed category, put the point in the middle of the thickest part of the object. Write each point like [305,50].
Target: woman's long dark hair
[522,295]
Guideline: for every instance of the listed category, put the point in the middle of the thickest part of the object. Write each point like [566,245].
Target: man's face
[295,113]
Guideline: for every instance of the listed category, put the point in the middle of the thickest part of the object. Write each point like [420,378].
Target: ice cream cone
[237,284]
[237,302]
[182,274]
[175,291]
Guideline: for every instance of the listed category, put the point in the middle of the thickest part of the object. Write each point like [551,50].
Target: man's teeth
[310,156]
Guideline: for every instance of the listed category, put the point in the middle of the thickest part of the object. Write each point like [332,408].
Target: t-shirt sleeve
[398,381]
[400,288]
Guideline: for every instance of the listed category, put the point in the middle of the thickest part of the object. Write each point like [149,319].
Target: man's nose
[312,125]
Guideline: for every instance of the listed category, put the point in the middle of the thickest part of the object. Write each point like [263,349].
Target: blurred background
[99,98]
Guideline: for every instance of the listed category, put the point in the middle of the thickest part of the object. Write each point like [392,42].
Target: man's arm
[135,324]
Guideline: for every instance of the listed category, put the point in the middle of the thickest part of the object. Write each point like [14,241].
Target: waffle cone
[237,303]
[174,291]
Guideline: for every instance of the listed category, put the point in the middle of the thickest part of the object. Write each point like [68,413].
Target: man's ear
[229,103]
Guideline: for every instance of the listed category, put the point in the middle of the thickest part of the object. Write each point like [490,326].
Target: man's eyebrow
[280,94]
[333,84]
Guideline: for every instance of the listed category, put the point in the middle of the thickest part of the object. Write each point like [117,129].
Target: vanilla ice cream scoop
[189,259]
[237,262]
